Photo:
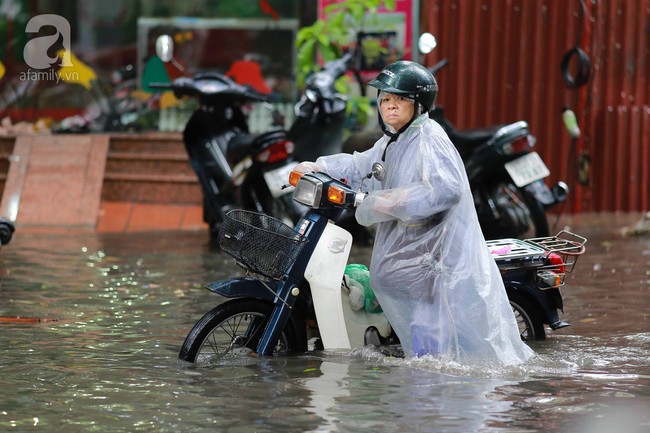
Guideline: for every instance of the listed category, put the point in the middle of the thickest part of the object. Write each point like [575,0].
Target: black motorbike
[506,176]
[234,167]
[320,113]
[239,169]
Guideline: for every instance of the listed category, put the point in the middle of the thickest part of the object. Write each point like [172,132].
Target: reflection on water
[91,326]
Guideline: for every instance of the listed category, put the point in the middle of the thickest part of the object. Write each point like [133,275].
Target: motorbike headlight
[308,191]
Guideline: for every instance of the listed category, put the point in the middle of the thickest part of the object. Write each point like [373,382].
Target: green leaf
[327,38]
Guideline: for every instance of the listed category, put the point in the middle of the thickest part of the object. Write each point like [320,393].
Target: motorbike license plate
[276,179]
[527,169]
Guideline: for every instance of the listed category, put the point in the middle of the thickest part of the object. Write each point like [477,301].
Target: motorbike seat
[467,139]
[243,144]
[239,146]
[265,139]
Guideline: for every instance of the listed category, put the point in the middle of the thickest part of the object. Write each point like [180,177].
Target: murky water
[91,325]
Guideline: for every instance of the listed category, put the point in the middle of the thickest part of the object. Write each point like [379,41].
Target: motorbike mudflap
[244,287]
[541,192]
[545,301]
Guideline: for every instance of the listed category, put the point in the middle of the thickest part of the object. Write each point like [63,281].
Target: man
[431,270]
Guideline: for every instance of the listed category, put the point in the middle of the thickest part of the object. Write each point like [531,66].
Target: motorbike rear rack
[551,257]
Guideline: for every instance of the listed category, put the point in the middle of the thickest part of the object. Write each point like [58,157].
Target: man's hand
[358,198]
[308,167]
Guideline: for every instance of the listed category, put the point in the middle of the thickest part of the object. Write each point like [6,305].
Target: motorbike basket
[261,243]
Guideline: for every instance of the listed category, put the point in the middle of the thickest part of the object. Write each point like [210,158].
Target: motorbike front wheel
[531,326]
[234,328]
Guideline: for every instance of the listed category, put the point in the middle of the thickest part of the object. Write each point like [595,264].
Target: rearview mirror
[378,171]
[426,43]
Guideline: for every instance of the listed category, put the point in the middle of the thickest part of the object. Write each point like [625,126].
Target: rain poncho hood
[431,270]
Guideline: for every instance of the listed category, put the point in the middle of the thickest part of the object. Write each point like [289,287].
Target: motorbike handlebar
[254,95]
[321,84]
[160,85]
[338,67]
[211,84]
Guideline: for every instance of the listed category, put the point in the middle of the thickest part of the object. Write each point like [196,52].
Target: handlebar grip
[358,198]
[260,97]
[438,66]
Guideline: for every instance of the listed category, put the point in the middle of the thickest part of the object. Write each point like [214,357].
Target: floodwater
[91,325]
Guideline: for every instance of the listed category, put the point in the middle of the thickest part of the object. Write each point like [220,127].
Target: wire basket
[261,243]
[562,253]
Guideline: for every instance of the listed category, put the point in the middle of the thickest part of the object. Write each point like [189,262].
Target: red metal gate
[506,64]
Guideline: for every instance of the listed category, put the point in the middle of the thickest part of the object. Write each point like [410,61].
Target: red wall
[505,65]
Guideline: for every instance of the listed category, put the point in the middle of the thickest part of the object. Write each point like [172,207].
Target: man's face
[395,110]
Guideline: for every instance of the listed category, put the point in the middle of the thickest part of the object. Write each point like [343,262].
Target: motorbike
[505,173]
[506,176]
[295,292]
[234,167]
[239,169]
[320,113]
[318,129]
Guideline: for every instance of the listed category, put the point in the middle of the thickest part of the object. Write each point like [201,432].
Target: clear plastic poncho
[431,270]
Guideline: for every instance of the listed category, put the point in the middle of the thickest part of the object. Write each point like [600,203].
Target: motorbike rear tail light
[555,259]
[278,151]
[520,145]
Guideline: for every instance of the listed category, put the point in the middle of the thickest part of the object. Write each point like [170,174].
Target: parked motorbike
[319,125]
[294,291]
[320,113]
[505,173]
[234,168]
[506,176]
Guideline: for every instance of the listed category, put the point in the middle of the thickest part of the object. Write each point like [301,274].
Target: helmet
[409,79]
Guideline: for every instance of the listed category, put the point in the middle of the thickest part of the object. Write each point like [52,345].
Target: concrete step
[149,168]
[122,182]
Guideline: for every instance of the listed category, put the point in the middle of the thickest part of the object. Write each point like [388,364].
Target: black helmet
[410,79]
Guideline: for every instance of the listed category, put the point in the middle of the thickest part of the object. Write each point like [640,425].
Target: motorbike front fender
[244,287]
